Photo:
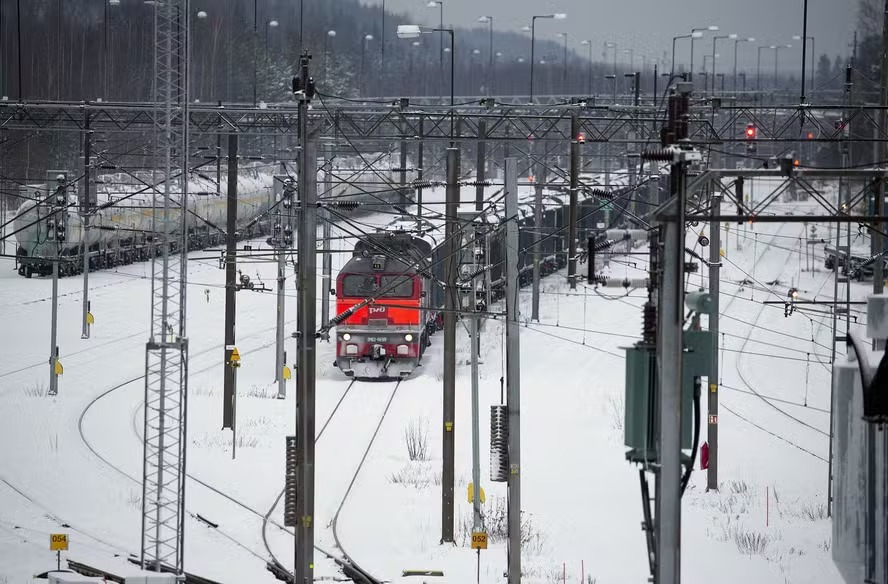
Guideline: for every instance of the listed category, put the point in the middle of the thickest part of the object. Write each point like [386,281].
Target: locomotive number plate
[377,339]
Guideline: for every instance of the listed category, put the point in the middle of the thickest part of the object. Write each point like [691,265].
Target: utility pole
[480,166]
[513,372]
[669,359]
[326,258]
[876,233]
[402,170]
[56,231]
[420,151]
[451,306]
[714,274]
[539,179]
[229,391]
[307,338]
[86,207]
[572,213]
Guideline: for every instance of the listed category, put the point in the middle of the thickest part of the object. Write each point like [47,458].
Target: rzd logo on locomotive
[378,310]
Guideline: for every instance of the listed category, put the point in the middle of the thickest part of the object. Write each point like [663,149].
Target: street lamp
[472,78]
[268,25]
[331,34]
[106,46]
[413,31]
[440,5]
[588,42]
[692,36]
[563,35]
[201,16]
[496,58]
[746,40]
[631,53]
[489,21]
[556,16]
[700,30]
[776,58]
[715,38]
[758,66]
[367,38]
[611,45]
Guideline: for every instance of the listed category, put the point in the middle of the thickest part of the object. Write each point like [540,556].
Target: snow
[581,497]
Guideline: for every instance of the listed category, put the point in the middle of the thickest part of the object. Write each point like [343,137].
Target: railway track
[346,562]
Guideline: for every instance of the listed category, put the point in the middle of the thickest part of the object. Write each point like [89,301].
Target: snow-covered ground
[75,459]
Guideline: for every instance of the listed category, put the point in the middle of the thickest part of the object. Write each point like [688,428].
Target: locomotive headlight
[346,337]
[408,337]
[351,349]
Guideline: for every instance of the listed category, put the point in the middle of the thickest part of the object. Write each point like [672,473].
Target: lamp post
[700,30]
[557,16]
[813,56]
[414,44]
[489,21]
[105,46]
[268,25]
[611,45]
[715,38]
[496,58]
[776,59]
[746,40]
[758,66]
[412,31]
[440,5]
[331,34]
[692,36]
[201,16]
[588,42]
[472,69]
[631,53]
[367,38]
[563,35]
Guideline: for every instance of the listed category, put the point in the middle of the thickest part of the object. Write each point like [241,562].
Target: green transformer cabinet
[641,425]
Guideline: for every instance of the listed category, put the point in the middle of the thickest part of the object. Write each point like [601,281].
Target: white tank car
[120,230]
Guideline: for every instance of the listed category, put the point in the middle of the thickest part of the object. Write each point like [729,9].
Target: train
[392,282]
[120,230]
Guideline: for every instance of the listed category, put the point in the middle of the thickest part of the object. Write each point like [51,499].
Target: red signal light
[810,135]
[750,131]
[581,138]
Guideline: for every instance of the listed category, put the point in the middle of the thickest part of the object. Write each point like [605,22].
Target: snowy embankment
[581,499]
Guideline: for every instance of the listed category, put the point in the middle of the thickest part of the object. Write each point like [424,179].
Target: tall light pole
[496,58]
[588,42]
[255,48]
[611,45]
[693,38]
[563,35]
[331,34]
[440,5]
[489,21]
[746,40]
[366,39]
[382,46]
[472,68]
[631,53]
[105,47]
[813,56]
[201,17]
[557,16]
[268,24]
[715,38]
[776,60]
[758,66]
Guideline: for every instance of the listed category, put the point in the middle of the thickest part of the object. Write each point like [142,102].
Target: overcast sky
[649,25]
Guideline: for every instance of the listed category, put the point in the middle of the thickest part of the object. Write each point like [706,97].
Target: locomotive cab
[386,338]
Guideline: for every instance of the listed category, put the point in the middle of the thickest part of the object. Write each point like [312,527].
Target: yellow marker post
[90,319]
[287,373]
[58,542]
[479,540]
[58,367]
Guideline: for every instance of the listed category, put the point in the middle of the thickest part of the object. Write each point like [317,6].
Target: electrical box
[641,423]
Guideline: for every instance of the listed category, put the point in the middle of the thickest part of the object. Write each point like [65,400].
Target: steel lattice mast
[166,363]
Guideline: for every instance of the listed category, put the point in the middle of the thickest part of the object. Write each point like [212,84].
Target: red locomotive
[392,272]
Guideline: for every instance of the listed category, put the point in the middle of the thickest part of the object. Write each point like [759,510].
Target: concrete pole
[876,235]
[476,422]
[451,305]
[85,208]
[230,373]
[668,525]
[402,172]
[282,247]
[307,325]
[714,274]
[513,372]
[574,186]
[480,165]
[420,152]
[53,332]
[539,180]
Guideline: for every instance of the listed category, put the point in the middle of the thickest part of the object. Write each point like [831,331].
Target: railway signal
[751,136]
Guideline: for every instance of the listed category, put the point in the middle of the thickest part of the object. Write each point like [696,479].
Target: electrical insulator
[60,231]
[51,229]
[499,443]
[291,467]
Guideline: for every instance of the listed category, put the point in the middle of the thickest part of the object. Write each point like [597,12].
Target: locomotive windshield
[359,285]
[397,286]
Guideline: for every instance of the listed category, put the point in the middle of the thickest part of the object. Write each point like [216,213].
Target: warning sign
[235,355]
[479,540]
[58,542]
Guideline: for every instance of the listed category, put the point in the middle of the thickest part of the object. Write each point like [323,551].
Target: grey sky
[649,25]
